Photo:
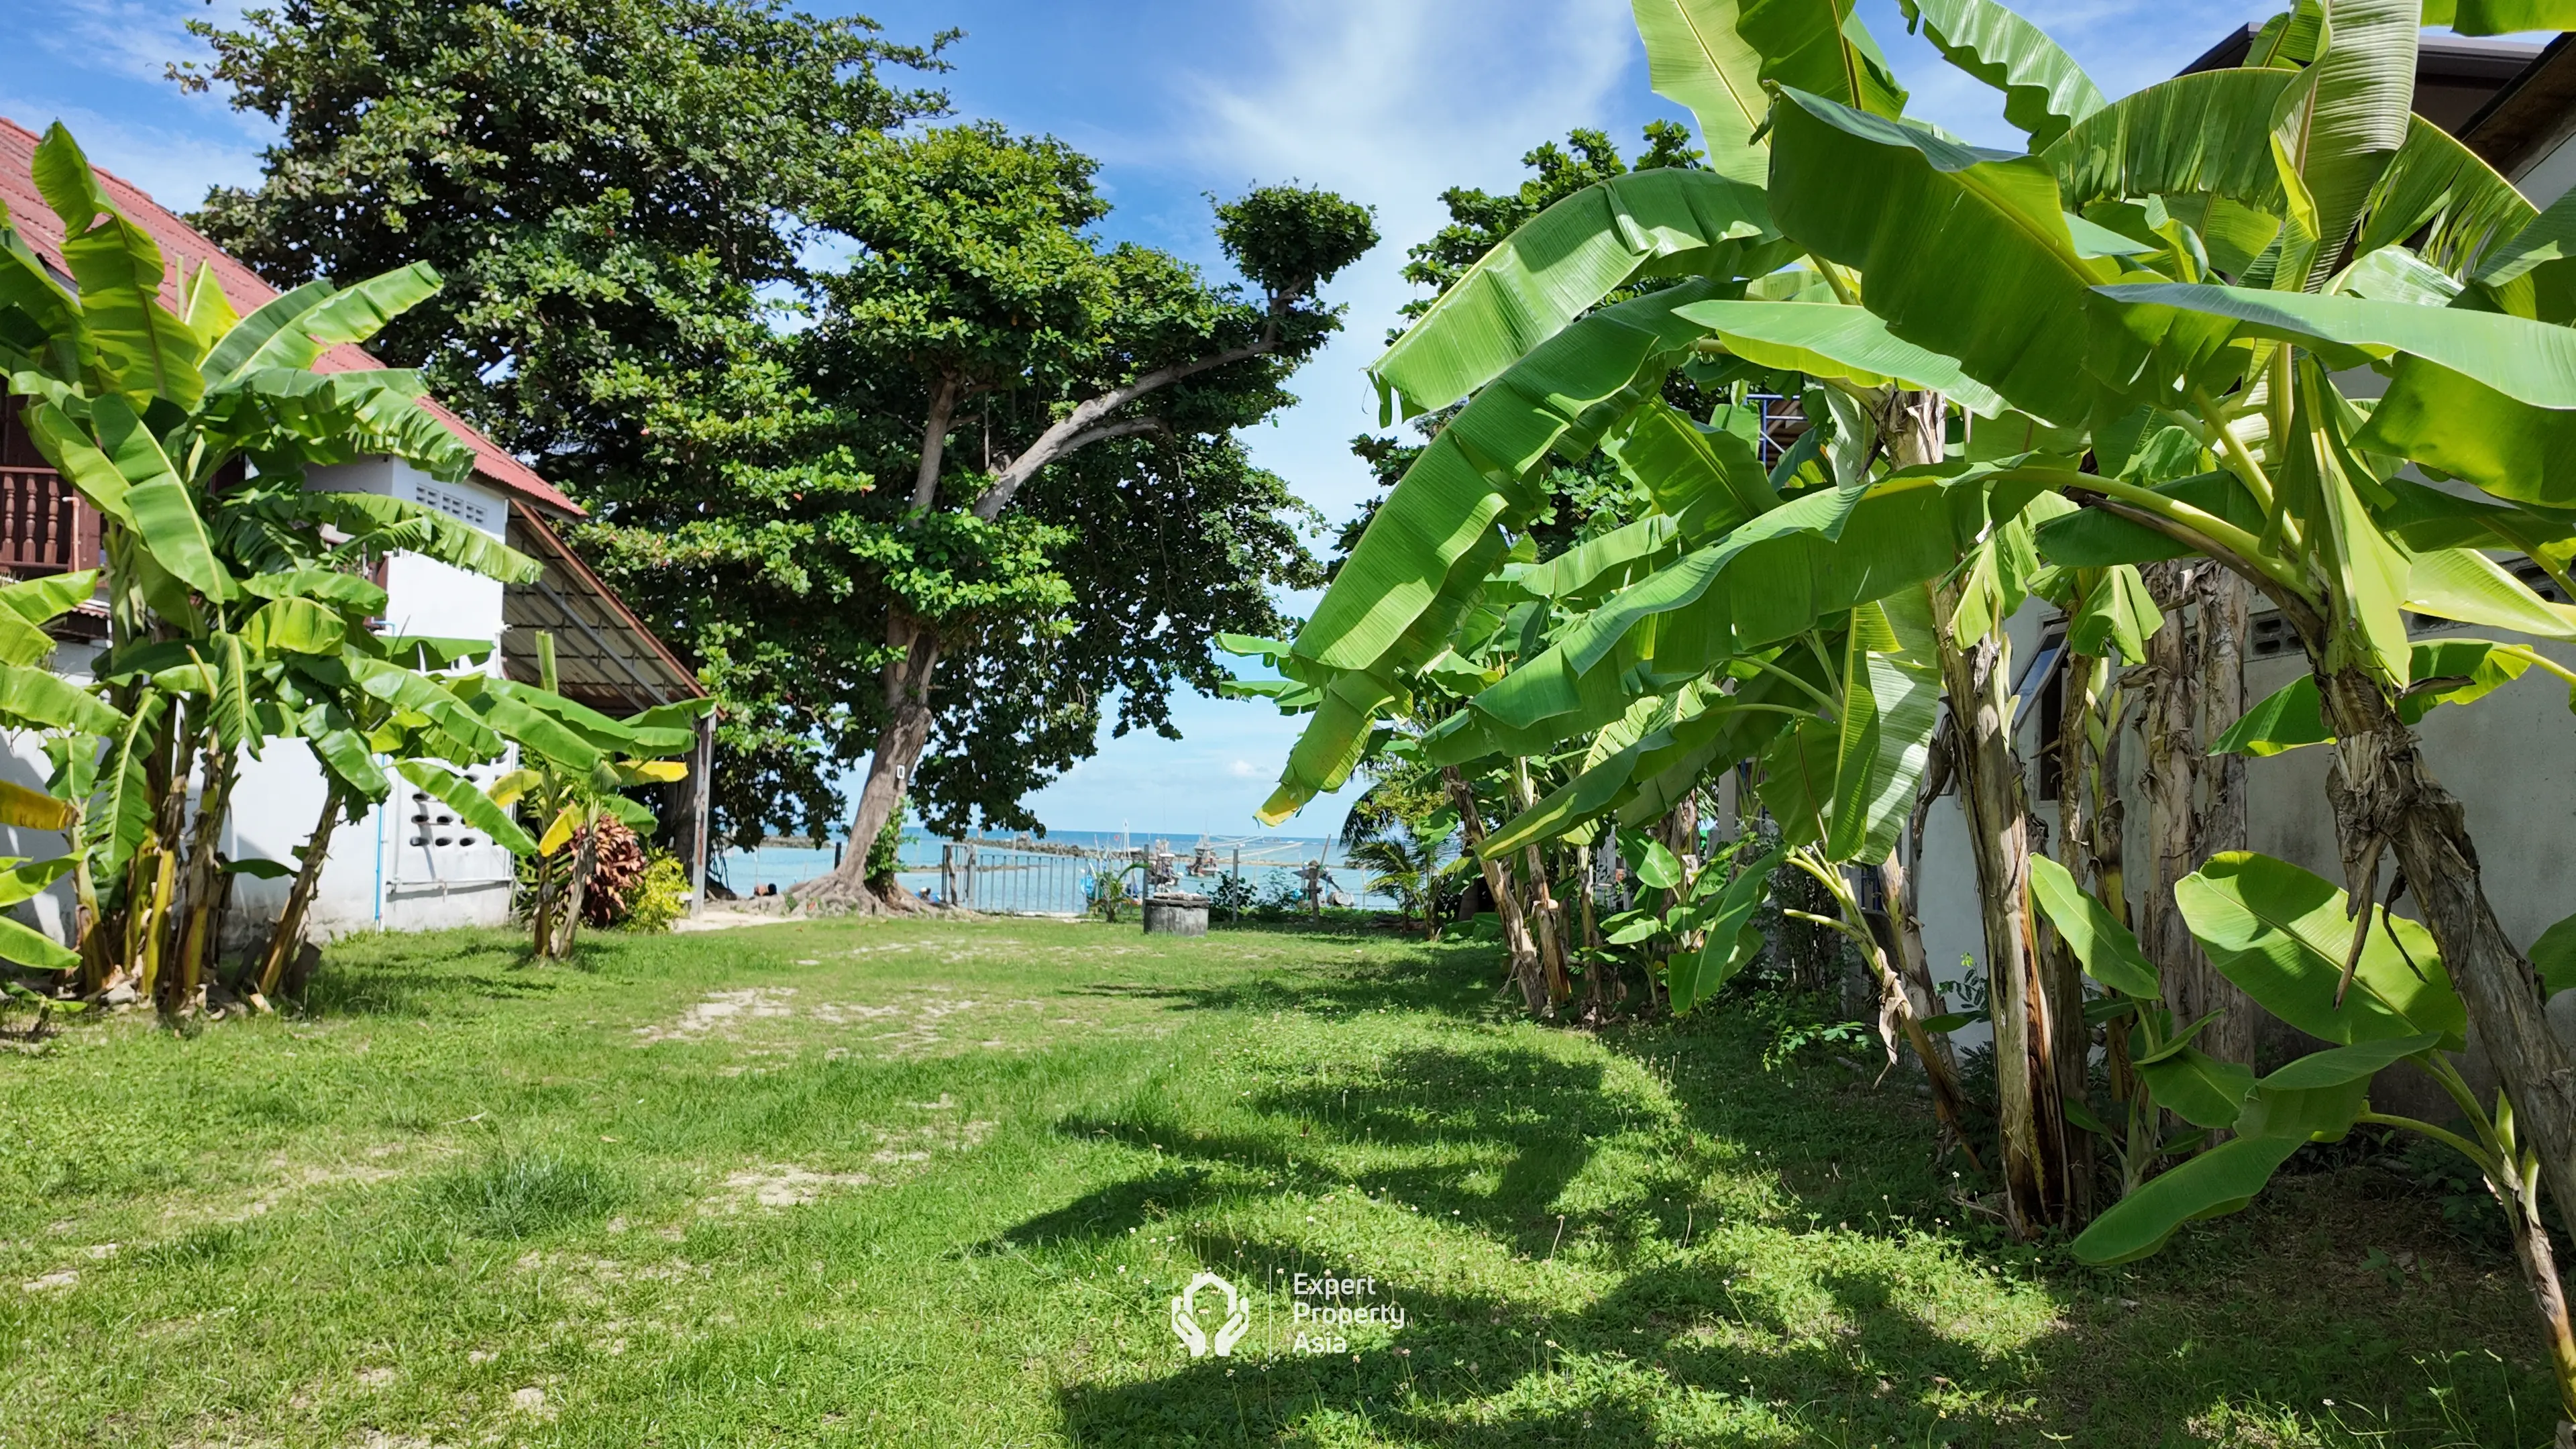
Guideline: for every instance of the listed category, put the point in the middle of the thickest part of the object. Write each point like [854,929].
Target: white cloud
[1389,104]
[137,38]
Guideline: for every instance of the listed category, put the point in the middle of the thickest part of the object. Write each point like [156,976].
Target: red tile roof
[183,249]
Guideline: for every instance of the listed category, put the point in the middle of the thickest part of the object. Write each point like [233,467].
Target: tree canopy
[810,359]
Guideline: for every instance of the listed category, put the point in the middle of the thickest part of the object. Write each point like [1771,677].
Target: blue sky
[1386,101]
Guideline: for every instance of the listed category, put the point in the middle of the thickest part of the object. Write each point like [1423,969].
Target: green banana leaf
[427,531]
[1821,47]
[2500,17]
[472,806]
[1772,578]
[34,698]
[1891,705]
[2106,949]
[2215,1183]
[2280,933]
[349,591]
[2531,362]
[1964,253]
[2045,91]
[297,335]
[340,417]
[294,626]
[1559,265]
[144,350]
[2439,187]
[1835,341]
[2342,139]
[2117,614]
[1695,59]
[29,947]
[1709,482]
[2197,1087]
[1427,540]
[2206,134]
[1696,976]
[120,819]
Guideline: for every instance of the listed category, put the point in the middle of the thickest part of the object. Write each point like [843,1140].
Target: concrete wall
[2510,758]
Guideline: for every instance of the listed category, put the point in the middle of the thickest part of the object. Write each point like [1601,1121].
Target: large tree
[612,191]
[985,440]
[1069,509]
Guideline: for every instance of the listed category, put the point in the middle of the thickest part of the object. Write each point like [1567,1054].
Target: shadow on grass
[1765,1340]
[387,974]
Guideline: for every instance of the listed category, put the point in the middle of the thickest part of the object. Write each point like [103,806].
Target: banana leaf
[1559,265]
[294,331]
[427,530]
[472,806]
[1475,474]
[1839,342]
[1964,253]
[1695,59]
[2280,933]
[2045,91]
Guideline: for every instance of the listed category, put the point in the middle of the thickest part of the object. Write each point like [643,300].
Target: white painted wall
[407,865]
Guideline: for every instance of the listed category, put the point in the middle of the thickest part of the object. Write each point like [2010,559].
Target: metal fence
[1011,878]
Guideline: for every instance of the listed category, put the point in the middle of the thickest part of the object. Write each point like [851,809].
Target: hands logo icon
[1185,1318]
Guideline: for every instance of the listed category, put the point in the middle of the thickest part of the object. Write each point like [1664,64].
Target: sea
[1045,882]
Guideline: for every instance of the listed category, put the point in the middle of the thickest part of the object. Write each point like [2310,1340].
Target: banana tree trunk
[189,922]
[289,935]
[2176,757]
[585,857]
[2386,799]
[2223,603]
[1517,945]
[906,733]
[2029,1107]
[541,913]
[2075,821]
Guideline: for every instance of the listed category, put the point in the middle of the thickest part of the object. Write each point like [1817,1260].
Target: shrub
[615,876]
[661,897]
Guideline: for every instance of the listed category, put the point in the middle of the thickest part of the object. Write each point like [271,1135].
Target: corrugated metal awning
[604,656]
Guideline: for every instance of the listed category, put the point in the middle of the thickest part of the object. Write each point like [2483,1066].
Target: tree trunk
[1517,944]
[2223,601]
[289,934]
[585,857]
[2385,797]
[899,745]
[2030,1111]
[2075,819]
[189,925]
[541,914]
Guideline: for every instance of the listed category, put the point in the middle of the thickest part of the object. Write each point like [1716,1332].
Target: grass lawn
[937,1183]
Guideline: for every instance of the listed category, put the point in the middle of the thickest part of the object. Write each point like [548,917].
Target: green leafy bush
[660,897]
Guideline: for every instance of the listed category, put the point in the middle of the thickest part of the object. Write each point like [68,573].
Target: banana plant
[190,432]
[2281,934]
[575,764]
[356,711]
[2205,255]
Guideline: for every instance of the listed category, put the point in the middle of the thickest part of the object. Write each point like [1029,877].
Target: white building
[409,864]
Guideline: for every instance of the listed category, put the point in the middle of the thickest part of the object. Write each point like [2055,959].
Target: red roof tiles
[183,249]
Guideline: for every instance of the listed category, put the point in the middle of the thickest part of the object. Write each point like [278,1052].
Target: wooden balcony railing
[44,525]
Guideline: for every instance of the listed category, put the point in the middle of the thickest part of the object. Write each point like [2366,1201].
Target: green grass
[936,1183]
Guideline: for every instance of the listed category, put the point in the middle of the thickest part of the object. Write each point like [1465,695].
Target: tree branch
[934,440]
[1082,427]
